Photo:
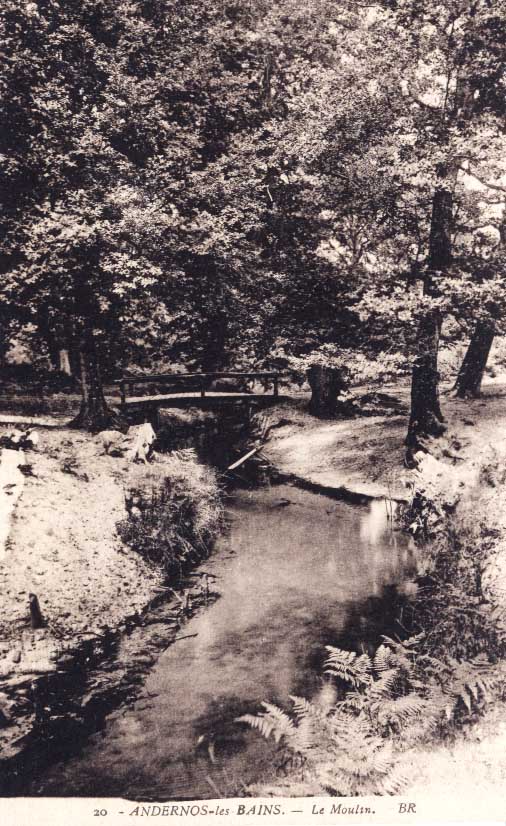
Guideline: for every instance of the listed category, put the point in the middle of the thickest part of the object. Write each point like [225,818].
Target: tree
[426,418]
[225,185]
[470,377]
[463,37]
[487,304]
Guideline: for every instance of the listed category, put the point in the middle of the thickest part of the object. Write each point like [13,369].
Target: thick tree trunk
[326,383]
[470,377]
[426,418]
[94,414]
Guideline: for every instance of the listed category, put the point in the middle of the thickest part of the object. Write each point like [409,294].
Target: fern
[402,711]
[396,781]
[384,686]
[396,700]
[401,647]
[473,684]
[348,666]
[382,659]
[273,721]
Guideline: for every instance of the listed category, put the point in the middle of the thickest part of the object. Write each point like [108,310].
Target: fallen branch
[244,458]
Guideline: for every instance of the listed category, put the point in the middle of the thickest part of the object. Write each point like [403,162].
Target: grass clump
[174,512]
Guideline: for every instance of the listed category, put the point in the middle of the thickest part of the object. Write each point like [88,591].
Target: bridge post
[276,387]
[122,393]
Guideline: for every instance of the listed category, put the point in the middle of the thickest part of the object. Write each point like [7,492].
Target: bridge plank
[196,395]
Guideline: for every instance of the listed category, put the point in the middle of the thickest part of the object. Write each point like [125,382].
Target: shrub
[174,511]
[457,514]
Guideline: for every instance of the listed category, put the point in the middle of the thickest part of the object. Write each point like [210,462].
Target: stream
[295,571]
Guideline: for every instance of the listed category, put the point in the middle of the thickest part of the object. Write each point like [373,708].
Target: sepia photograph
[252,411]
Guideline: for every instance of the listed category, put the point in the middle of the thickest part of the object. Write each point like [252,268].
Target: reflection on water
[296,572]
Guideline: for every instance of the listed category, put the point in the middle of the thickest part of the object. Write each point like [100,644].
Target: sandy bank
[63,544]
[365,455]
[64,547]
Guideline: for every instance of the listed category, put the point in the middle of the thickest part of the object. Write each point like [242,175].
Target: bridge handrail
[200,378]
[182,376]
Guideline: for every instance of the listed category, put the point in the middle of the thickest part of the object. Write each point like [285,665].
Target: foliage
[457,513]
[214,184]
[386,704]
[174,511]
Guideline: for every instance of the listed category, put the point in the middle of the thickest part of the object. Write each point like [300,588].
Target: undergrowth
[174,511]
[415,691]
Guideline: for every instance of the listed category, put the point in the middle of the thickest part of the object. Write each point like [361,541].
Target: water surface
[296,571]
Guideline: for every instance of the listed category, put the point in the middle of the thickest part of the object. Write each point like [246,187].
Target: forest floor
[60,505]
[365,454]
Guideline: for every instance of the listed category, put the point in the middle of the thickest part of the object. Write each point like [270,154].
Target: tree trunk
[52,348]
[94,414]
[468,384]
[65,362]
[426,418]
[326,383]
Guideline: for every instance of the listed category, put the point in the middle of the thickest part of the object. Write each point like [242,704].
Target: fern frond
[258,722]
[383,759]
[472,681]
[382,659]
[305,708]
[363,666]
[353,700]
[403,710]
[396,781]
[282,722]
[309,735]
[348,666]
[273,721]
[384,687]
[402,646]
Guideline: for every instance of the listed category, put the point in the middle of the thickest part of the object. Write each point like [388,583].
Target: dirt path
[365,455]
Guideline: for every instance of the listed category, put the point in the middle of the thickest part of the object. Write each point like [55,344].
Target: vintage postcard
[252,412]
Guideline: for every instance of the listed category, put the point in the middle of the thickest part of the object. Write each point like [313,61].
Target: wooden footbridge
[146,395]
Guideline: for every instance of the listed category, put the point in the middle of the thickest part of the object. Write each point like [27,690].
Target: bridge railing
[197,382]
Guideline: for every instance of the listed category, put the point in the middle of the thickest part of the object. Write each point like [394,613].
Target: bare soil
[365,455]
[63,547]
